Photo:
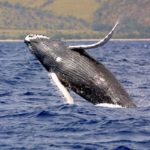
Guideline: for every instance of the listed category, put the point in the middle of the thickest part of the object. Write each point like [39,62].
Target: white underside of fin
[109,105]
[62,88]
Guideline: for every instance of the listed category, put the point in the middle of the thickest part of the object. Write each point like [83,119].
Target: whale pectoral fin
[62,88]
[97,44]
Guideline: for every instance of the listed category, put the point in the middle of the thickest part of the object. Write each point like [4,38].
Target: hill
[133,14]
[74,19]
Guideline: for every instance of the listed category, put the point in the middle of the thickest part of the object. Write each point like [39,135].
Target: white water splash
[108,105]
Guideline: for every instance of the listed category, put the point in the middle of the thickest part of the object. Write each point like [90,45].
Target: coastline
[78,40]
[93,40]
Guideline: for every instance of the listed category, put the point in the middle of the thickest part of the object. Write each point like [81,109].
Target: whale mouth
[32,37]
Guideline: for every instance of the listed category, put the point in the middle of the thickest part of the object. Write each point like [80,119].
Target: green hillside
[134,16]
[74,18]
[81,9]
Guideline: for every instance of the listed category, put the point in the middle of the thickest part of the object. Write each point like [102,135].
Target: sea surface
[34,115]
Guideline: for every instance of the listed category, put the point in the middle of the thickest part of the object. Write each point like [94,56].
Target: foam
[108,105]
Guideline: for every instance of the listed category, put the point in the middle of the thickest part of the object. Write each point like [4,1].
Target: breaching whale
[72,68]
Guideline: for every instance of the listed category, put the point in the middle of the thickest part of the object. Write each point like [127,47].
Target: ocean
[34,115]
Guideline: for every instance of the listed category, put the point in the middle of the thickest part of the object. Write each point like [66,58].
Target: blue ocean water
[34,116]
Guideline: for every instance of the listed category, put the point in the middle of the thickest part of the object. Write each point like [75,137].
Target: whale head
[36,43]
[47,51]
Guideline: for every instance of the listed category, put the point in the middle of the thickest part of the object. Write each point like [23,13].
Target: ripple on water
[33,114]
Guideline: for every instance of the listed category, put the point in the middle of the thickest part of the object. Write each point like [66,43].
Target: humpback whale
[72,68]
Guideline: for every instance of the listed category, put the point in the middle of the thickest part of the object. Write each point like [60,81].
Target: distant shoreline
[79,40]
[88,40]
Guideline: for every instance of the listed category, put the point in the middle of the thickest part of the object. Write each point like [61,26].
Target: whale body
[72,68]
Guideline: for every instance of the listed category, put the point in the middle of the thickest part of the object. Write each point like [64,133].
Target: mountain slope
[74,19]
[134,16]
[81,9]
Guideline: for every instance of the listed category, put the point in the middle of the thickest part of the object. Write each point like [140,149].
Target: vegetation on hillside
[80,9]
[74,19]
[134,16]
